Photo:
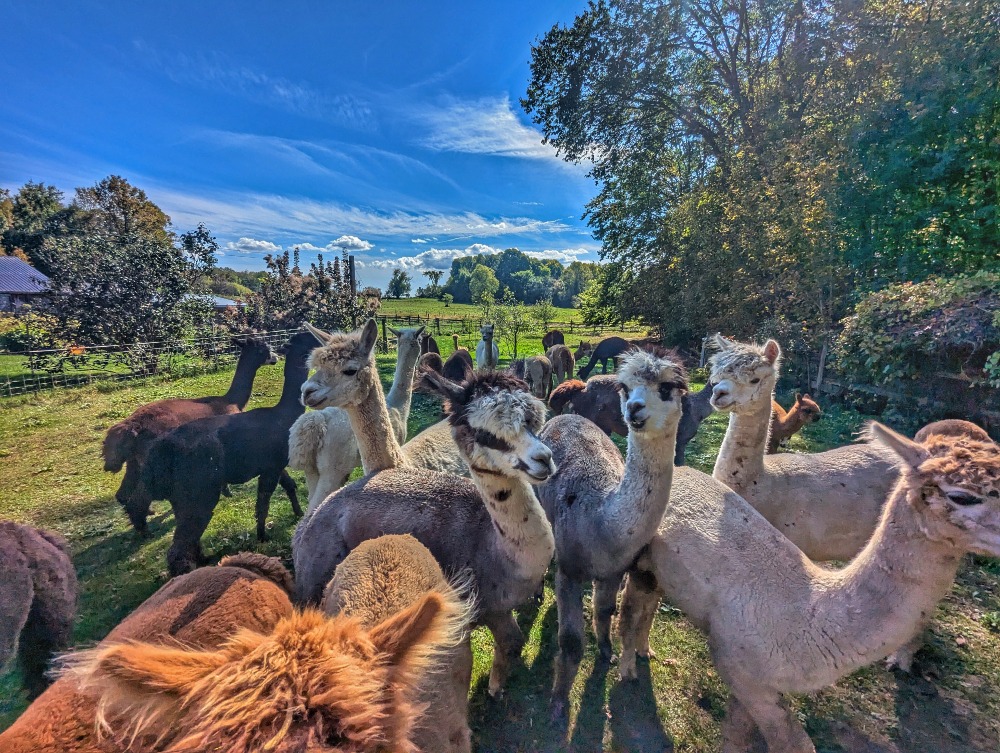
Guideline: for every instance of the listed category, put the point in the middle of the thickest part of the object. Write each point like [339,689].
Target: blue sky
[392,128]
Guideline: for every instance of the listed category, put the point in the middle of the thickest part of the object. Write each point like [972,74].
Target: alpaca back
[434,449]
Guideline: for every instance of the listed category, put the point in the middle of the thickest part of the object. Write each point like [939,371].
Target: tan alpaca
[786,424]
[826,503]
[388,575]
[537,372]
[776,622]
[563,363]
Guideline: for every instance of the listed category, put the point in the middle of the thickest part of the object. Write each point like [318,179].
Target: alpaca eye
[755,380]
[665,388]
[350,372]
[965,499]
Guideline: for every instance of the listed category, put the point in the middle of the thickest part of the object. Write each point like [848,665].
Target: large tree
[123,210]
[399,285]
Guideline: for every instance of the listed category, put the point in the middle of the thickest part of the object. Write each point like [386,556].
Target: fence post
[385,338]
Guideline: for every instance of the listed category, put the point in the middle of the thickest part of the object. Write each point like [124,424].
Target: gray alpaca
[603,510]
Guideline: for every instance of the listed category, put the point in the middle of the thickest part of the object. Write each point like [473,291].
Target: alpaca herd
[366,647]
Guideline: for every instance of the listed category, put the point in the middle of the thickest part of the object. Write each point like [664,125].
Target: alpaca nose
[719,392]
[635,412]
[308,392]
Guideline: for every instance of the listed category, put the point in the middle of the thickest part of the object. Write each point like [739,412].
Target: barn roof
[17,276]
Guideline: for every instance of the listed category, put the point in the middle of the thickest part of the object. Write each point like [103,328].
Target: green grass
[433,307]
[50,474]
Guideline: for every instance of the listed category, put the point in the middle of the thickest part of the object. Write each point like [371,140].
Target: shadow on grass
[635,725]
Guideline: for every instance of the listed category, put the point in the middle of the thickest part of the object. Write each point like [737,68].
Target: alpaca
[603,511]
[785,424]
[776,622]
[537,372]
[596,400]
[383,577]
[37,600]
[428,344]
[322,444]
[455,346]
[697,408]
[492,525]
[553,337]
[458,366]
[487,352]
[608,349]
[127,442]
[952,427]
[191,465]
[435,449]
[827,503]
[201,609]
[563,363]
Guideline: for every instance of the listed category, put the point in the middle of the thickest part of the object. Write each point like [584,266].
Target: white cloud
[435,258]
[564,255]
[350,242]
[419,240]
[484,126]
[252,246]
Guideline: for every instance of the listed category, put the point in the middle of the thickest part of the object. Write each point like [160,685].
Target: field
[433,307]
[50,475]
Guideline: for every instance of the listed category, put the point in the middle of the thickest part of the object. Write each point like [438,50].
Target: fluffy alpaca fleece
[201,609]
[785,424]
[383,577]
[37,600]
[537,372]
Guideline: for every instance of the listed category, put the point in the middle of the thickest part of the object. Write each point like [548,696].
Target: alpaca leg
[134,498]
[902,657]
[507,645]
[767,709]
[266,484]
[49,629]
[185,553]
[737,728]
[639,603]
[16,594]
[569,601]
[290,489]
[605,606]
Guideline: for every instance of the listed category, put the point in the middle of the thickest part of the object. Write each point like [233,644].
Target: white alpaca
[322,443]
[487,352]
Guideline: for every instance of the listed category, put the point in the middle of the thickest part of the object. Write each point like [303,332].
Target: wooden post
[437,324]
[354,289]
[385,338]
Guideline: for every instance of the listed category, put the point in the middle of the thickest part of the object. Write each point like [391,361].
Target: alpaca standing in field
[322,443]
[191,465]
[553,337]
[603,511]
[428,344]
[458,366]
[786,424]
[127,442]
[563,363]
[608,349]
[201,610]
[596,400]
[384,577]
[492,525]
[537,372]
[37,600]
[697,408]
[487,352]
[826,503]
[776,622]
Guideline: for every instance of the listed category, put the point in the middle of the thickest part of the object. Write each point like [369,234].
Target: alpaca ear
[912,453]
[772,351]
[140,670]
[409,638]
[323,337]
[369,336]
[721,343]
[420,329]
[798,397]
[434,382]
[395,331]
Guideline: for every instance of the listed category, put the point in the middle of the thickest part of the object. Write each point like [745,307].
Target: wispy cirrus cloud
[482,126]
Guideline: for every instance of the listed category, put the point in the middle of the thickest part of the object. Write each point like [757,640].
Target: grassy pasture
[433,307]
[50,475]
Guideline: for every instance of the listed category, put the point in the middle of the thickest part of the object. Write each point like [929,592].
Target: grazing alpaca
[191,465]
[827,503]
[492,525]
[487,352]
[458,366]
[128,441]
[37,600]
[697,408]
[603,511]
[428,344]
[383,577]
[785,424]
[608,349]
[201,609]
[563,363]
[776,622]
[553,337]
[537,372]
[322,443]
[597,400]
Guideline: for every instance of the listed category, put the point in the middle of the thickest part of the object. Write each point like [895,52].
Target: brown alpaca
[37,600]
[308,684]
[553,337]
[785,424]
[383,577]
[128,441]
[201,610]
[537,372]
[597,399]
[563,363]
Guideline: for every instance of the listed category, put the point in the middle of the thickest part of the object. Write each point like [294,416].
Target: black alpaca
[696,409]
[607,349]
[191,465]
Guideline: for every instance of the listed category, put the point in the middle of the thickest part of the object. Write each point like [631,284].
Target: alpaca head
[650,387]
[486,331]
[743,374]
[408,343]
[255,349]
[583,350]
[953,481]
[313,684]
[345,367]
[807,408]
[495,423]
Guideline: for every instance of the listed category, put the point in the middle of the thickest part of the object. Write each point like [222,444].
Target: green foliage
[512,319]
[121,210]
[29,330]
[483,284]
[448,299]
[399,285]
[544,312]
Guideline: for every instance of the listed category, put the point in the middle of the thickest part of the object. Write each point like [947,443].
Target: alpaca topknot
[738,359]
[653,365]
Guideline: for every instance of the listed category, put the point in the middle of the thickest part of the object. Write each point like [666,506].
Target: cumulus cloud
[564,255]
[252,246]
[483,126]
[435,258]
[350,242]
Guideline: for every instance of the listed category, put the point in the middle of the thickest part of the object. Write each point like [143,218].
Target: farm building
[20,283]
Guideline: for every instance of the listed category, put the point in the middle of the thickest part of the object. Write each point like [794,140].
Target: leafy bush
[29,331]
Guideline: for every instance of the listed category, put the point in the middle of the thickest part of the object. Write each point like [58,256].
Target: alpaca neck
[635,509]
[893,583]
[522,532]
[741,456]
[401,393]
[296,372]
[239,390]
[369,419]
